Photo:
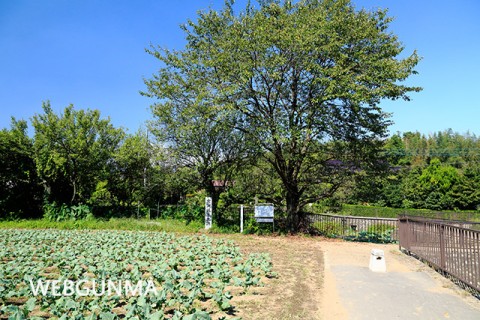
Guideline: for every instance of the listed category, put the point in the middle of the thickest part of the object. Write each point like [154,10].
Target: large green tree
[73,151]
[304,81]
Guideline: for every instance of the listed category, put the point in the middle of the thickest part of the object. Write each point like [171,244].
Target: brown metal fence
[453,247]
[355,228]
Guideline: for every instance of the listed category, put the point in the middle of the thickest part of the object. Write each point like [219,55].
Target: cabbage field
[189,277]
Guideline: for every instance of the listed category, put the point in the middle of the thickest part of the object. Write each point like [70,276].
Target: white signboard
[264,212]
[208,212]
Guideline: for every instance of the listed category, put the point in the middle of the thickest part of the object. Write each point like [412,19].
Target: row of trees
[74,158]
[440,171]
[78,158]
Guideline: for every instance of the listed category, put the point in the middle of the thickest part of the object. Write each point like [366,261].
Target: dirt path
[297,291]
[329,279]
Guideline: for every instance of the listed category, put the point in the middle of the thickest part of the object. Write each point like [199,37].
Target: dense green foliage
[78,164]
[72,151]
[437,172]
[20,192]
[198,136]
[192,274]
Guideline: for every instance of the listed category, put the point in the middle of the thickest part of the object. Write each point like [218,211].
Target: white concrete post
[377,261]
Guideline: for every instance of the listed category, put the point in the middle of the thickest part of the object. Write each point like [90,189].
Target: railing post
[409,234]
[406,234]
[442,246]
[399,231]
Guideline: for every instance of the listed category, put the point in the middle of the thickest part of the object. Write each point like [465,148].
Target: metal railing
[355,228]
[452,247]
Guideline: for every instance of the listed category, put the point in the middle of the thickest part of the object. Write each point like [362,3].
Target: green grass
[167,225]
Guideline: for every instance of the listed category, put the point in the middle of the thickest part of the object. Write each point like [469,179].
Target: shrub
[375,237]
[253,227]
[380,228]
[53,212]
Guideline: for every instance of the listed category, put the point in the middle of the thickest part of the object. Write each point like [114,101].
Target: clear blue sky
[91,53]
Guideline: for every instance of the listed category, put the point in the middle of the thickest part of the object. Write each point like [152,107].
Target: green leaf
[157,316]
[199,315]
[30,305]
[107,316]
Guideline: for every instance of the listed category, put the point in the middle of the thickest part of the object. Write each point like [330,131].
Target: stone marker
[377,261]
[208,213]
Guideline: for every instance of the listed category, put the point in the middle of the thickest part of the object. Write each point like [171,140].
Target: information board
[264,212]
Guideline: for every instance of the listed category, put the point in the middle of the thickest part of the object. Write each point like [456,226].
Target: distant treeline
[440,171]
[76,162]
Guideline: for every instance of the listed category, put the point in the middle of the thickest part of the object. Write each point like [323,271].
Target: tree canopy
[73,151]
[303,82]
[196,134]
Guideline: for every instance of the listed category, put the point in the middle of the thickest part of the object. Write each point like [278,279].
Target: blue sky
[91,53]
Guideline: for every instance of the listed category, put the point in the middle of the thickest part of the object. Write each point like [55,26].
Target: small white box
[377,261]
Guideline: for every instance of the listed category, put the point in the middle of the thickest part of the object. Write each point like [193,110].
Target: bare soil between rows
[297,290]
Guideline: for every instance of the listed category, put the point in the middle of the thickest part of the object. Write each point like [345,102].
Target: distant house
[221,185]
[338,164]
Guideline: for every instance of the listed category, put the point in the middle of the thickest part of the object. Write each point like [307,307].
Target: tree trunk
[293,210]
[74,192]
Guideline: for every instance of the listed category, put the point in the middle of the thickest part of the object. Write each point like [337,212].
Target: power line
[468,152]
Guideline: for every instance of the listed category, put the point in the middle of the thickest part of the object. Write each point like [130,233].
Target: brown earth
[306,287]
[297,290]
